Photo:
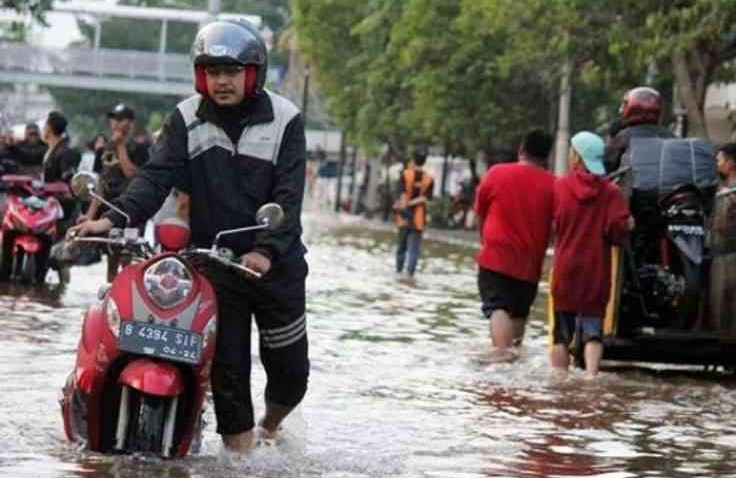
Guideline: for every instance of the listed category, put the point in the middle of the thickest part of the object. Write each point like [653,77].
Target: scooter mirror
[83,183]
[270,215]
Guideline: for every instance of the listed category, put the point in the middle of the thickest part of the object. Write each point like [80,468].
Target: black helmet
[230,42]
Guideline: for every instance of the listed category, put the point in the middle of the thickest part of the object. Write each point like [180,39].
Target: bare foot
[239,443]
[267,434]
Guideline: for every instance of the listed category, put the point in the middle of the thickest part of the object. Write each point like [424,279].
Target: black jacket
[61,162]
[227,180]
[112,178]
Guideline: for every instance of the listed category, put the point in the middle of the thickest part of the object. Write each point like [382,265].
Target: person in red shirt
[590,216]
[514,206]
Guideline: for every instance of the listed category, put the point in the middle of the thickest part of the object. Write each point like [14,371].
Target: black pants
[278,303]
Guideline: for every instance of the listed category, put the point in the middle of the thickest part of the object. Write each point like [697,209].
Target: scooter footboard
[160,379]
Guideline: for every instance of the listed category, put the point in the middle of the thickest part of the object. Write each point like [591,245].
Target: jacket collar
[256,111]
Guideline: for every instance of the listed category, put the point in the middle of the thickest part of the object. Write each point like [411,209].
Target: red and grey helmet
[641,105]
[230,42]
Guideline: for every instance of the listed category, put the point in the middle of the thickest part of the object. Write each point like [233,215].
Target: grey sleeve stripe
[188,109]
[280,330]
[206,136]
[197,122]
[284,111]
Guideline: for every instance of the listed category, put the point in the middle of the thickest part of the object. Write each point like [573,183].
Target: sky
[61,31]
[62,28]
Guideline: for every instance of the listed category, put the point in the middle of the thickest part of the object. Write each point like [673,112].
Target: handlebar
[136,243]
[220,258]
[218,255]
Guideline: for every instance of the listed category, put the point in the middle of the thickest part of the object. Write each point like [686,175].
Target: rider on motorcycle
[640,114]
[232,148]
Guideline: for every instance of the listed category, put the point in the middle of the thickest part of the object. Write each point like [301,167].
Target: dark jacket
[61,162]
[229,168]
[112,178]
[619,143]
[590,216]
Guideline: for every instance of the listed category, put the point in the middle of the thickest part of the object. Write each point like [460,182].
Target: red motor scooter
[145,353]
[30,226]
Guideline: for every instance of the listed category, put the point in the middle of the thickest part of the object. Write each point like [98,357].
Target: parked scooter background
[30,226]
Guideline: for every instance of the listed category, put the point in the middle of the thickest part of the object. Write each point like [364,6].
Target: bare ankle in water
[271,421]
[239,442]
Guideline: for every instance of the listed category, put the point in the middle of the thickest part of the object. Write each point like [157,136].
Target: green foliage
[463,74]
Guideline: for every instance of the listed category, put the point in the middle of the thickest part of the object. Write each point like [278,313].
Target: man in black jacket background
[233,148]
[29,152]
[61,160]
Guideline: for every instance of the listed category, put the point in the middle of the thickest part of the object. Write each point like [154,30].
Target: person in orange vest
[416,186]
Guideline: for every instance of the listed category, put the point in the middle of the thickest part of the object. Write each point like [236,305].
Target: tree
[349,47]
[698,39]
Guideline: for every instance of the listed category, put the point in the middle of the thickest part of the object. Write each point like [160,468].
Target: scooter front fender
[160,379]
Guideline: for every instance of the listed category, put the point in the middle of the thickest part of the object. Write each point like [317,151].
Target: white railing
[100,62]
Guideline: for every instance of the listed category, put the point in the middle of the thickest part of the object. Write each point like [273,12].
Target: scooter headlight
[113,316]
[167,282]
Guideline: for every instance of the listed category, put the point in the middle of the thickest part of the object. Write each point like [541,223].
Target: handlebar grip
[245,269]
[225,262]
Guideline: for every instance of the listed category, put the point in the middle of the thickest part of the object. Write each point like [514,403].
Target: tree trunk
[692,74]
[340,171]
[353,191]
[563,119]
[473,165]
[445,169]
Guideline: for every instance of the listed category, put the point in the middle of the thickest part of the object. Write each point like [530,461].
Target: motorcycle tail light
[113,316]
[167,282]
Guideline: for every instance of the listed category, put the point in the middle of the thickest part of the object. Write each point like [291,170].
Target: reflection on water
[403,385]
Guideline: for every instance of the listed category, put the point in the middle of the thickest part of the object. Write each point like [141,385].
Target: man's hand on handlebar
[256,261]
[91,228]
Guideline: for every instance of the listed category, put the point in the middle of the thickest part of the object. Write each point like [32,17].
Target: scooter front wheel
[28,269]
[147,421]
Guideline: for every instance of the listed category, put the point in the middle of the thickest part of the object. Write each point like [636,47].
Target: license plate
[160,341]
[687,229]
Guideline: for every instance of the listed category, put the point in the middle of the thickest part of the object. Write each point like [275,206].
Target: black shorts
[566,323]
[502,292]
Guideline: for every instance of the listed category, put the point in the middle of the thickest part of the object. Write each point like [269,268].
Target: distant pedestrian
[119,162]
[722,243]
[591,216]
[60,161]
[514,207]
[416,186]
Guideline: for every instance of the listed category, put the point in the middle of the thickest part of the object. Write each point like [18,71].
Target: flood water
[403,385]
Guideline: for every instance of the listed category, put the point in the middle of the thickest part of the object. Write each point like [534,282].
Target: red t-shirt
[590,216]
[514,204]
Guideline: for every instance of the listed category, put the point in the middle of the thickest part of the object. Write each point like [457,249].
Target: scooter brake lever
[247,270]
